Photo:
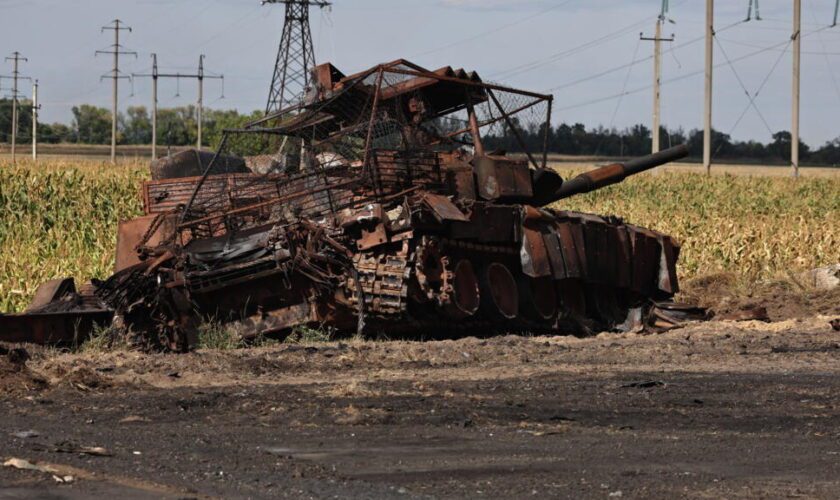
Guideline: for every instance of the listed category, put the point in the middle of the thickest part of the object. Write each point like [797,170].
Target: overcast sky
[545,45]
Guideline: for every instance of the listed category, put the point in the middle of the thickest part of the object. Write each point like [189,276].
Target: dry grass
[59,218]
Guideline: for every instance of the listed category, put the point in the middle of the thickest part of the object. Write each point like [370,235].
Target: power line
[825,54]
[200,75]
[229,27]
[670,80]
[752,98]
[530,66]
[494,30]
[667,81]
[634,62]
[621,99]
[744,87]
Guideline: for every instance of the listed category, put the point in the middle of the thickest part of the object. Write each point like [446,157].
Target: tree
[177,126]
[721,144]
[137,126]
[637,140]
[55,133]
[24,109]
[781,146]
[828,154]
[92,125]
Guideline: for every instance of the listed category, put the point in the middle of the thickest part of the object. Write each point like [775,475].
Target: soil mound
[783,299]
[15,377]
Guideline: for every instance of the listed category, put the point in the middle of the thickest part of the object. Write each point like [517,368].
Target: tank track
[594,271]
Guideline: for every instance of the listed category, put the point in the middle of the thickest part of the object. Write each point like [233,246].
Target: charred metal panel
[443,208]
[52,328]
[646,255]
[667,279]
[489,224]
[568,244]
[372,237]
[462,180]
[580,249]
[555,253]
[597,252]
[50,291]
[502,179]
[624,256]
[533,254]
[134,232]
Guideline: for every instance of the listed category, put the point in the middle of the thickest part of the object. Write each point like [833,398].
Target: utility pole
[657,78]
[710,48]
[295,54]
[200,103]
[116,50]
[154,105]
[35,108]
[200,76]
[154,76]
[15,58]
[797,46]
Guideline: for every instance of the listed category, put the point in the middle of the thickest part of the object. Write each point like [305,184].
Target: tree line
[636,141]
[177,127]
[92,125]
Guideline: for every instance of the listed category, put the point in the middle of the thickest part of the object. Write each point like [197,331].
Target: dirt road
[722,409]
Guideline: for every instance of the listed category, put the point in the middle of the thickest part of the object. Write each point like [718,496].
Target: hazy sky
[543,45]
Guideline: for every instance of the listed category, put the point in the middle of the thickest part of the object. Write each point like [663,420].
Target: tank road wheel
[499,291]
[454,290]
[429,268]
[539,298]
[464,296]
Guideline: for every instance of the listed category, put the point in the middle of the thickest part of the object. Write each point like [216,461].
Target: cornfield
[756,228]
[59,218]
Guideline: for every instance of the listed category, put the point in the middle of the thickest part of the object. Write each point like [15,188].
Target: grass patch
[215,335]
[309,335]
[104,338]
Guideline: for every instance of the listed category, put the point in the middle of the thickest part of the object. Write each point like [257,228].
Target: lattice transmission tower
[295,55]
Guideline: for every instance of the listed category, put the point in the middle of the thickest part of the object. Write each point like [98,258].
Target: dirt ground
[720,409]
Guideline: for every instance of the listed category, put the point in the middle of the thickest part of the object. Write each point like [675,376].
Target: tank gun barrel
[612,174]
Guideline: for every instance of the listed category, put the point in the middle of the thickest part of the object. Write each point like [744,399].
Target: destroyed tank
[399,201]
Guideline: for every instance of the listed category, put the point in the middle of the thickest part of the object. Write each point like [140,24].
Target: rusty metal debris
[57,315]
[384,202]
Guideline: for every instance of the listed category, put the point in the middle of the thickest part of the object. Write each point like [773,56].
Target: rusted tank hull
[491,268]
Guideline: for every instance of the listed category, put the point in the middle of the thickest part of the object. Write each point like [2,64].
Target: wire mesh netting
[358,139]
